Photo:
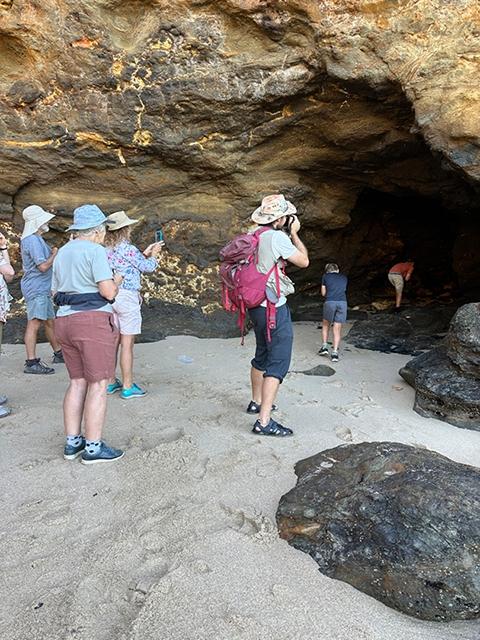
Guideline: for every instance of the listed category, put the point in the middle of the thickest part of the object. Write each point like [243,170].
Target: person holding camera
[279,244]
[126,259]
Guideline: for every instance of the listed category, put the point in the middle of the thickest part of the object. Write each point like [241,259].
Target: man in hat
[36,285]
[85,290]
[126,259]
[279,243]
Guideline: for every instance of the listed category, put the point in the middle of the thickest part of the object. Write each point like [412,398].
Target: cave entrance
[386,229]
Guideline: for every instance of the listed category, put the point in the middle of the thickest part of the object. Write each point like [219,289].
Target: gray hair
[331,267]
[89,232]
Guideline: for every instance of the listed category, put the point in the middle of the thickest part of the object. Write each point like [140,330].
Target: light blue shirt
[77,268]
[35,282]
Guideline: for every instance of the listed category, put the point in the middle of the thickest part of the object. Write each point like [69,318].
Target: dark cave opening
[386,228]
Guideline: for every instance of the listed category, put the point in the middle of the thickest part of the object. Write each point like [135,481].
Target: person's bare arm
[109,288]
[324,290]
[6,268]
[45,266]
[409,274]
[300,257]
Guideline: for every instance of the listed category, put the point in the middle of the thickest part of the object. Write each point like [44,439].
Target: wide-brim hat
[272,208]
[87,216]
[34,217]
[118,220]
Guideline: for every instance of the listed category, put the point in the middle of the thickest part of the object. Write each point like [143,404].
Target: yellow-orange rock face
[188,112]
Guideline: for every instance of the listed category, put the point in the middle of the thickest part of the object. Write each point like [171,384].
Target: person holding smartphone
[126,259]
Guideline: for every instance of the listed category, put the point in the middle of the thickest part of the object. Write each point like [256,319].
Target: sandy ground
[178,541]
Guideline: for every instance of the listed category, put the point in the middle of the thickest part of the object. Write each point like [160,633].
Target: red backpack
[243,286]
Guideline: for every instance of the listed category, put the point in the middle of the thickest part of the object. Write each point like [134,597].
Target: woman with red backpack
[254,279]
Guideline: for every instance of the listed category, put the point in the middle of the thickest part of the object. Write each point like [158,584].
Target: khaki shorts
[397,280]
[127,312]
[89,341]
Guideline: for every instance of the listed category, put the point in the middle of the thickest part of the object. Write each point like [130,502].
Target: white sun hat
[34,217]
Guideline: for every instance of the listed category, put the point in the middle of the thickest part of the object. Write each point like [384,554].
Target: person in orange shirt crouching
[397,276]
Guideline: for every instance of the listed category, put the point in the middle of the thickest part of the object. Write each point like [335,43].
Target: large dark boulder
[464,340]
[396,522]
[447,379]
[409,332]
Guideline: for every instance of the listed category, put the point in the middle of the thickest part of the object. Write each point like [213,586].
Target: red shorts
[89,342]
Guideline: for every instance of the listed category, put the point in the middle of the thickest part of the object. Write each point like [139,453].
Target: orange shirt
[405,269]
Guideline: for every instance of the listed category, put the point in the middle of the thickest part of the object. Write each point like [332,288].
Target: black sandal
[272,429]
[254,407]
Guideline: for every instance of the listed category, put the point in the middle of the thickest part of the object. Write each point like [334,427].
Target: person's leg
[127,344]
[31,333]
[328,318]
[325,328]
[278,362]
[4,410]
[398,297]
[73,406]
[256,379]
[95,409]
[269,393]
[258,319]
[337,334]
[50,334]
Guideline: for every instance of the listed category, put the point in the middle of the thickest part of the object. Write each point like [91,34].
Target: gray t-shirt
[272,247]
[77,268]
[35,282]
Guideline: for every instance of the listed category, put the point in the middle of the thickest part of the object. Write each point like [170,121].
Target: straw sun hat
[118,220]
[272,208]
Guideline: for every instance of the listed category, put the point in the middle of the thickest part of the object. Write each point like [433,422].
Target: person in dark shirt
[334,287]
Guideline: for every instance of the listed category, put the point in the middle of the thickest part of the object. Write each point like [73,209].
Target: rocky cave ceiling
[364,113]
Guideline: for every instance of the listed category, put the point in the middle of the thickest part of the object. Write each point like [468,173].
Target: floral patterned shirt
[130,262]
[5,296]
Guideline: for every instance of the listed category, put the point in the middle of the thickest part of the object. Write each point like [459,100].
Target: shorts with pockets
[40,308]
[128,313]
[89,341]
[272,357]
[335,311]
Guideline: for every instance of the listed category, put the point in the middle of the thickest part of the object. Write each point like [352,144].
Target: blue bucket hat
[86,217]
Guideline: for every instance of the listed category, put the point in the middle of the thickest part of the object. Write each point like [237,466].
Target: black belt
[395,273]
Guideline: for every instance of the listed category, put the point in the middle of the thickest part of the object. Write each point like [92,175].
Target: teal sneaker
[70,452]
[133,392]
[104,454]
[114,387]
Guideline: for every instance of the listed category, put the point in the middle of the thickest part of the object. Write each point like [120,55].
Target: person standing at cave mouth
[37,259]
[397,276]
[334,290]
[278,243]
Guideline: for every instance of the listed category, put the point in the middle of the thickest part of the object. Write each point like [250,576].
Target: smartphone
[158,235]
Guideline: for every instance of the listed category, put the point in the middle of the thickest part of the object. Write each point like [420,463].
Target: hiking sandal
[272,429]
[254,407]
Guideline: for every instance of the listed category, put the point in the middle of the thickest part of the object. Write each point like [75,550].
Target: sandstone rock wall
[187,112]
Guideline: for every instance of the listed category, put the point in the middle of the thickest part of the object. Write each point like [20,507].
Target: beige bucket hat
[118,220]
[272,208]
[34,216]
